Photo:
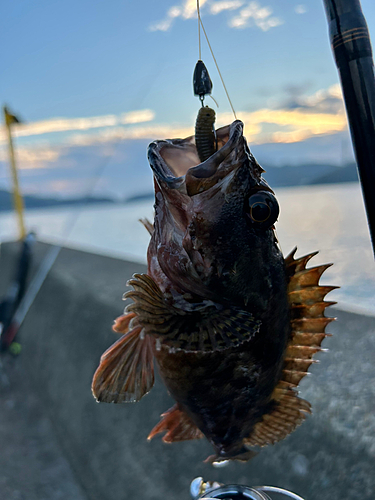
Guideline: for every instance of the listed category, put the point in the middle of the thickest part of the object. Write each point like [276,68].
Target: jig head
[201,81]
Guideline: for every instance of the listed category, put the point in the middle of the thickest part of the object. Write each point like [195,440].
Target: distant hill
[340,174]
[6,201]
[287,176]
[309,174]
[275,176]
[139,197]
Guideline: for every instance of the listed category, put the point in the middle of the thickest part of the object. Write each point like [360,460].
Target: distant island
[6,201]
[305,175]
[287,176]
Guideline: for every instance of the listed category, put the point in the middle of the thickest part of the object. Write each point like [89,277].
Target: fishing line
[200,23]
[199,31]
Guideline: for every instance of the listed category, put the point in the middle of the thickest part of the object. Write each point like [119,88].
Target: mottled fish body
[231,324]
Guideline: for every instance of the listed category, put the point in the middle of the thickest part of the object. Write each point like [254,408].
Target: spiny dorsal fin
[188,326]
[308,325]
[307,277]
[308,322]
[305,311]
[295,265]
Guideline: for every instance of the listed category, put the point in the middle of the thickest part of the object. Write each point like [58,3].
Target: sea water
[329,218]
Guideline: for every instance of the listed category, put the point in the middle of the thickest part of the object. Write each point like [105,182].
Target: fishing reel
[200,490]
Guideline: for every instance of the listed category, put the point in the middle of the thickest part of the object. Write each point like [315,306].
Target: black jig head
[201,81]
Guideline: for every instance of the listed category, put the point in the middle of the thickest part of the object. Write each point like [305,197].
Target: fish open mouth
[176,162]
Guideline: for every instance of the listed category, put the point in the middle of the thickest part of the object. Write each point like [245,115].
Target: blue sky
[85,73]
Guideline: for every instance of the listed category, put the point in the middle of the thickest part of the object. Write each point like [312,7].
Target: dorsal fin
[188,326]
[308,325]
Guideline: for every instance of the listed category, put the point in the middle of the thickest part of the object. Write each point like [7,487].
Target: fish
[231,324]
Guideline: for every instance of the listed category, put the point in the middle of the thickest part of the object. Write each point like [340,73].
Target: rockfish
[231,325]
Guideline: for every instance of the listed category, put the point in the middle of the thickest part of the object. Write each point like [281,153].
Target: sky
[88,76]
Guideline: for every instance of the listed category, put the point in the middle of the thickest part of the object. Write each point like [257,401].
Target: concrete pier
[57,442]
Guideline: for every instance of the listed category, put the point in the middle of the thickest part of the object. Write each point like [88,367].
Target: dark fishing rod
[351,46]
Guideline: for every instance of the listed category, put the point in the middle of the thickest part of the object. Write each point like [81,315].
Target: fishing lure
[205,137]
[232,325]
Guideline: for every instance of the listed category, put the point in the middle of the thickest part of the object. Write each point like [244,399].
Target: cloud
[69,124]
[320,113]
[187,10]
[300,9]
[323,101]
[156,131]
[217,7]
[317,114]
[166,23]
[293,125]
[152,132]
[253,14]
[30,158]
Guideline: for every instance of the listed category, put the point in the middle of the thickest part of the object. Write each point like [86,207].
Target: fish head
[214,233]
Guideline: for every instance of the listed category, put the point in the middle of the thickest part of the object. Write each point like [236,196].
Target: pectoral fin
[126,370]
[188,326]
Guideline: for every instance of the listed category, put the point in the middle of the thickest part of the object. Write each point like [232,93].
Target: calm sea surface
[328,218]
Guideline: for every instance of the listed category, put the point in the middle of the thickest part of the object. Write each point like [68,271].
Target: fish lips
[176,164]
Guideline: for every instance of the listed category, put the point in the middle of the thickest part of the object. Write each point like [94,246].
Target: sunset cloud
[32,157]
[320,113]
[317,114]
[156,131]
[70,124]
[301,124]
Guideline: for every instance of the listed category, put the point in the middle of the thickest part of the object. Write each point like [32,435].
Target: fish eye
[264,209]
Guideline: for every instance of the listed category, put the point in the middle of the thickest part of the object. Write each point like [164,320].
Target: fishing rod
[351,46]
